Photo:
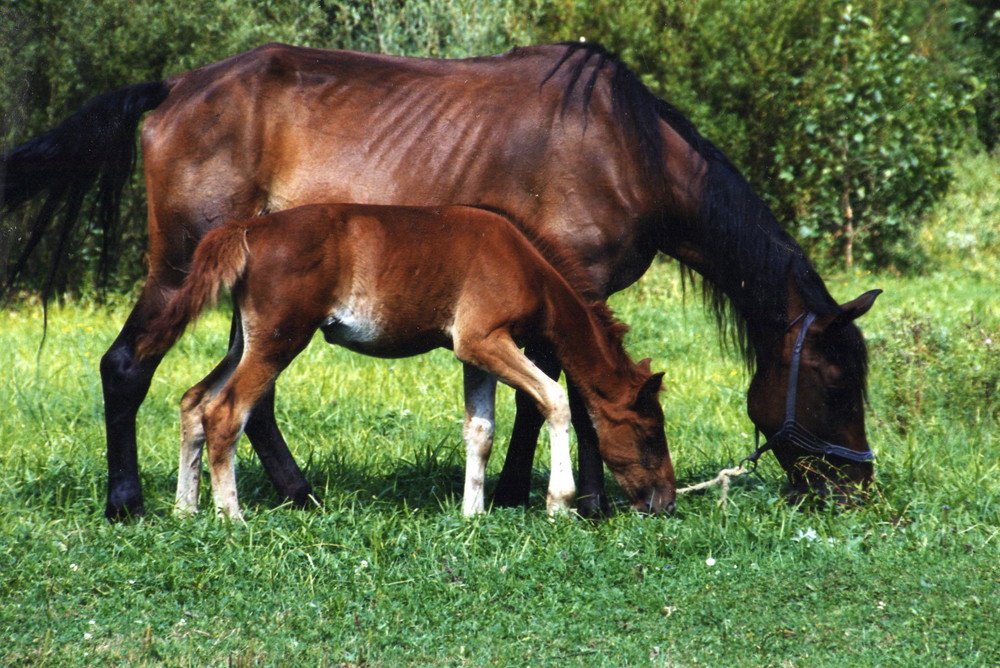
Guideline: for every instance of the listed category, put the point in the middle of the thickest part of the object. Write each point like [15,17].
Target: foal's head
[634,446]
[825,450]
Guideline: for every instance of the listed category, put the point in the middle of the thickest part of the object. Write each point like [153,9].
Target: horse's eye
[838,395]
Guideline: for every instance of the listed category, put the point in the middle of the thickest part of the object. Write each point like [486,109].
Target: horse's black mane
[751,258]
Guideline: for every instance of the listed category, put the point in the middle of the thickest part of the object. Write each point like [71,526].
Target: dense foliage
[980,29]
[844,115]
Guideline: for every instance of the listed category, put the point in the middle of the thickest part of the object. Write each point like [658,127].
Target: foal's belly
[368,338]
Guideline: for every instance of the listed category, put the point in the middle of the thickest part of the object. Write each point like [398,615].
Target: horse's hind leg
[125,383]
[267,440]
[480,401]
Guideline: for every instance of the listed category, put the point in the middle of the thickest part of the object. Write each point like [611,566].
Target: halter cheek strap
[791,431]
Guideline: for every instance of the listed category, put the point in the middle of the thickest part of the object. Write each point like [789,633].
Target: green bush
[936,371]
[844,115]
[979,28]
[962,230]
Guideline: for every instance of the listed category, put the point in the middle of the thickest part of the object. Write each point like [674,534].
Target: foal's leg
[193,433]
[267,441]
[514,484]
[499,355]
[480,401]
[226,414]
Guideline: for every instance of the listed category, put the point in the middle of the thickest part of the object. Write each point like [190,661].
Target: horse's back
[283,126]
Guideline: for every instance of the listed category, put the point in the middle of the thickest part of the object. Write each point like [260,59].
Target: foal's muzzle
[658,501]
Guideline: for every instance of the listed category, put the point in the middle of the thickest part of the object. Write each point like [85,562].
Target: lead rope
[725,475]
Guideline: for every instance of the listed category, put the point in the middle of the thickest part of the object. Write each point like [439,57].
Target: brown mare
[399,281]
[564,139]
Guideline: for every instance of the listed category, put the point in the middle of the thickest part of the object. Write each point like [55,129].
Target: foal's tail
[219,262]
[94,149]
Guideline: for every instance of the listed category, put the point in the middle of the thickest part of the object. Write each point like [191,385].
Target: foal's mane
[576,276]
[580,282]
[750,258]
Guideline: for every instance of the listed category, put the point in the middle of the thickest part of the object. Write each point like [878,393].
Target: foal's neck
[590,350]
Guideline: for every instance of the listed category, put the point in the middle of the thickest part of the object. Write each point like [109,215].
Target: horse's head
[633,444]
[808,399]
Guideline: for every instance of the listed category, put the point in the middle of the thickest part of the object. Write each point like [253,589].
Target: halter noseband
[791,431]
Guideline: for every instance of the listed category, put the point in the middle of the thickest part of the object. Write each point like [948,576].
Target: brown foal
[400,281]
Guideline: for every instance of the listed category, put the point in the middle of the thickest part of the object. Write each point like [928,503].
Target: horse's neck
[724,232]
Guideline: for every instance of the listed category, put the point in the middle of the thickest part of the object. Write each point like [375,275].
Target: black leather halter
[791,431]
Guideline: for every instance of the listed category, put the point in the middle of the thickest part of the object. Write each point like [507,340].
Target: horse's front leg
[480,401]
[592,499]
[267,440]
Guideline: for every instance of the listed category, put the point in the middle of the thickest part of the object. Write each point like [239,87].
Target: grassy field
[388,572]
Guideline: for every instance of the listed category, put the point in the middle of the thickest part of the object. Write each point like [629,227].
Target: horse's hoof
[124,500]
[122,512]
[506,498]
[305,499]
[592,508]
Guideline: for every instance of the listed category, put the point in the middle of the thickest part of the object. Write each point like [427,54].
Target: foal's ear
[650,389]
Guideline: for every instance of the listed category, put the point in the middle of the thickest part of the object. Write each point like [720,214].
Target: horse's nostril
[671,507]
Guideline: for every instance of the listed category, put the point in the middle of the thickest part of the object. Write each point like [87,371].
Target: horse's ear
[644,365]
[852,310]
[856,308]
[650,389]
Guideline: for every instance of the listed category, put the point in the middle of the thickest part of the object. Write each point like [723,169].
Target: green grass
[388,572]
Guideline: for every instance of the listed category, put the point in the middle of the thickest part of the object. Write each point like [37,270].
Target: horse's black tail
[93,148]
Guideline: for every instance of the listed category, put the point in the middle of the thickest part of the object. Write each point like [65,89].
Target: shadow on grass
[431,478]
